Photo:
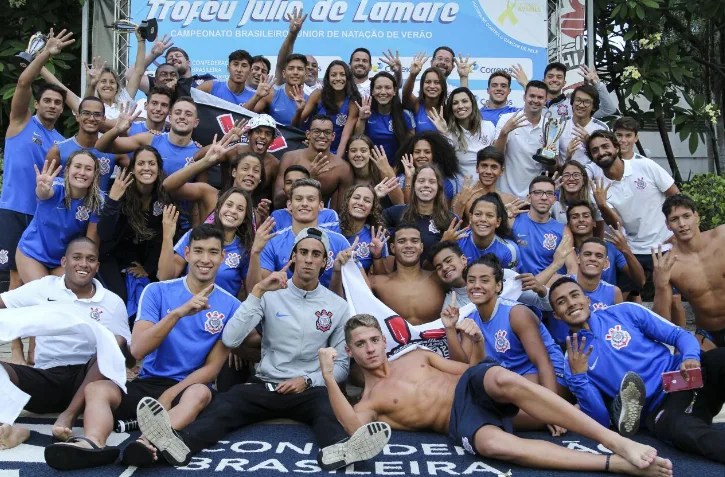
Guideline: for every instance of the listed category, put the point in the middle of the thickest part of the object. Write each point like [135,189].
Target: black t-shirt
[184,85]
[429,233]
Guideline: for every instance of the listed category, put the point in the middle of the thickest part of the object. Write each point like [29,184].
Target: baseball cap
[313,233]
[262,120]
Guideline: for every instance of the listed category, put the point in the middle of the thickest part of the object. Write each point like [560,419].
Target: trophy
[149,29]
[553,128]
[36,43]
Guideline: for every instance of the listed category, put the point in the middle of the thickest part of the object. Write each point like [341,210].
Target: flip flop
[63,456]
[137,454]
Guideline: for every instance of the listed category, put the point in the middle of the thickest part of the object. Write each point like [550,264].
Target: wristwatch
[308,381]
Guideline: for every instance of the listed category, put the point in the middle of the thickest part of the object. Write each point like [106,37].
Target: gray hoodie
[296,324]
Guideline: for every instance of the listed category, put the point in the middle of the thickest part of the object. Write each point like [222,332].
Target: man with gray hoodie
[298,317]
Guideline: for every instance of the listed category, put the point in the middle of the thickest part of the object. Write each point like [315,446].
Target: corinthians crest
[324,320]
[214,322]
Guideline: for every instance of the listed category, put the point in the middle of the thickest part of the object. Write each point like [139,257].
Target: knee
[506,381]
[105,391]
[489,444]
[197,395]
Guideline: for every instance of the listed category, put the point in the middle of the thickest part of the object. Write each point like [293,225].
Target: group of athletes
[232,299]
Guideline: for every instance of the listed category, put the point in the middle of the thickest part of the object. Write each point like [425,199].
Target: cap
[262,120]
[313,233]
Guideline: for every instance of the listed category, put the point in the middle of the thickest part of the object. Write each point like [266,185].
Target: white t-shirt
[520,167]
[580,155]
[638,199]
[309,89]
[364,88]
[105,307]
[474,143]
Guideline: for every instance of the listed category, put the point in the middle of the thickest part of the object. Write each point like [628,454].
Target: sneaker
[364,444]
[627,405]
[126,426]
[153,420]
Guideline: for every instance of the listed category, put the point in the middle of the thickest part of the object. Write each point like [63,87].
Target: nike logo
[51,300]
[280,315]
[591,368]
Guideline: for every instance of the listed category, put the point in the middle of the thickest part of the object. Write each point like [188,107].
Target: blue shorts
[473,408]
[13,226]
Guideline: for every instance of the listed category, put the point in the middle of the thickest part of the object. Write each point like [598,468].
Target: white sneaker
[153,420]
[364,444]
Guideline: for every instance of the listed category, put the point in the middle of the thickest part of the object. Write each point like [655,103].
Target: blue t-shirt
[422,121]
[106,161]
[451,186]
[327,220]
[277,253]
[503,345]
[617,259]
[138,127]
[338,122]
[494,115]
[175,157]
[220,89]
[363,254]
[54,226]
[537,242]
[283,108]
[186,347]
[429,233]
[233,269]
[379,128]
[506,251]
[27,148]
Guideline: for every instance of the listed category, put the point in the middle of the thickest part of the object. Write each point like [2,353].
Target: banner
[567,39]
[496,33]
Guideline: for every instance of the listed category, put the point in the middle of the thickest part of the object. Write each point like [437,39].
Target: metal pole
[590,34]
[84,45]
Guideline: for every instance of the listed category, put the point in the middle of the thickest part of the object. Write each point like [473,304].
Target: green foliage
[708,191]
[23,18]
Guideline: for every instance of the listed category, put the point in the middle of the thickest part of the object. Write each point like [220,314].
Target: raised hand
[515,208]
[572,147]
[262,210]
[236,132]
[517,120]
[295,20]
[320,164]
[56,43]
[264,88]
[136,270]
[327,360]
[520,75]
[262,236]
[380,159]
[554,177]
[409,168]
[343,257]
[216,150]
[438,120]
[196,303]
[377,241]
[464,69]
[419,60]
[469,189]
[580,133]
[161,44]
[275,280]
[93,72]
[563,250]
[468,328]
[393,61]
[578,354]
[529,282]
[450,315]
[617,238]
[590,76]
[662,266]
[169,219]
[386,186]
[364,109]
[298,94]
[120,185]
[44,179]
[599,190]
[454,231]
[127,114]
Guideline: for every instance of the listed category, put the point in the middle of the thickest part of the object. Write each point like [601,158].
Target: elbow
[137,353]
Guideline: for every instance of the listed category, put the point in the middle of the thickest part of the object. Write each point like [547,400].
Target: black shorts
[51,390]
[13,226]
[140,388]
[473,408]
[717,337]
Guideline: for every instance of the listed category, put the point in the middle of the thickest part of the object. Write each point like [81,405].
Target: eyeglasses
[582,102]
[571,175]
[321,132]
[540,193]
[90,114]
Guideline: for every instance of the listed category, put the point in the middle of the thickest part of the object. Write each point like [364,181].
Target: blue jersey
[27,148]
[138,127]
[537,242]
[175,157]
[283,108]
[506,251]
[233,269]
[602,297]
[503,345]
[327,220]
[54,226]
[338,121]
[422,121]
[277,253]
[186,347]
[451,186]
[379,128]
[106,161]
[494,115]
[220,89]
[628,337]
[362,253]
[617,261]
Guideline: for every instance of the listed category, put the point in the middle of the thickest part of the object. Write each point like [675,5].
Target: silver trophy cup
[149,29]
[553,129]
[36,43]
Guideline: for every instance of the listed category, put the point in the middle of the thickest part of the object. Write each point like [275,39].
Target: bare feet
[11,436]
[142,440]
[659,468]
[17,357]
[639,455]
[62,428]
